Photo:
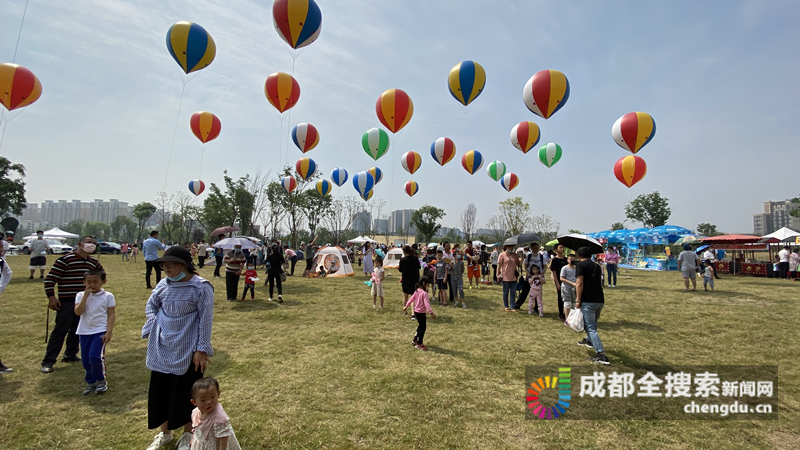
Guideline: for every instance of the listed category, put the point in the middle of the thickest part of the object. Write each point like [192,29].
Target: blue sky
[720,78]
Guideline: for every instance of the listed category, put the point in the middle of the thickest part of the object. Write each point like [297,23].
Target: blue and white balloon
[339,176]
[363,182]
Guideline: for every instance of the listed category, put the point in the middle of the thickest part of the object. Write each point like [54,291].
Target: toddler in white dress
[211,429]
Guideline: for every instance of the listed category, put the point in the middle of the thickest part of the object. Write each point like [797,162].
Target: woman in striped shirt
[178,328]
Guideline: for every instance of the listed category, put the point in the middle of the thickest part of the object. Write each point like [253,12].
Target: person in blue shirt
[150,248]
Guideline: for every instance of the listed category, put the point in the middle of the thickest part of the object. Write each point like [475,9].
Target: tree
[515,215]
[652,210]
[469,221]
[257,186]
[99,230]
[122,228]
[572,231]
[497,233]
[75,226]
[315,208]
[234,205]
[424,220]
[186,217]
[143,211]
[164,214]
[12,188]
[617,226]
[291,204]
[339,222]
[707,229]
[545,227]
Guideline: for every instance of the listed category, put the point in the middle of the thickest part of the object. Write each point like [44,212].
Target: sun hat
[179,255]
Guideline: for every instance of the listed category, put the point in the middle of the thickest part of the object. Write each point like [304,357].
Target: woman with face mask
[178,328]
[507,265]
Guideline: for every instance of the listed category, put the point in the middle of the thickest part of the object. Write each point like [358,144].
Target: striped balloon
[546,92]
[394,109]
[377,174]
[472,161]
[411,188]
[289,184]
[443,150]
[375,142]
[466,81]
[305,167]
[19,87]
[509,181]
[339,176]
[324,187]
[298,22]
[630,170]
[305,136]
[549,154]
[411,161]
[197,187]
[368,195]
[190,46]
[282,91]
[496,170]
[363,182]
[205,126]
[633,131]
[525,135]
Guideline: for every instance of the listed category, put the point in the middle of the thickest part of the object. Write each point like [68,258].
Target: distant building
[381,226]
[400,220]
[62,212]
[362,221]
[776,216]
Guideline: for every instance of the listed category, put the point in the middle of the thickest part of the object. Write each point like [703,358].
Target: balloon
[633,131]
[205,126]
[546,92]
[394,109]
[525,135]
[411,188]
[305,137]
[197,187]
[466,81]
[339,176]
[550,154]
[630,170]
[363,182]
[324,187]
[190,46]
[19,87]
[411,161]
[289,184]
[368,195]
[298,22]
[375,142]
[509,181]
[377,174]
[305,167]
[282,91]
[472,161]
[496,170]
[443,150]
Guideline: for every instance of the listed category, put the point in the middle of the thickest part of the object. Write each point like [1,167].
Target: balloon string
[202,153]
[16,47]
[294,57]
[3,134]
[174,134]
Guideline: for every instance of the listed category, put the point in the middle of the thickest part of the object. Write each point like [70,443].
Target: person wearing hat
[179,315]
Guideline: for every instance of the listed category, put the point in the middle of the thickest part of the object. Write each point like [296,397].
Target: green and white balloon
[550,154]
[375,142]
[496,170]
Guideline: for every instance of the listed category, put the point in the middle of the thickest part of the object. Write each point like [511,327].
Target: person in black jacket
[409,270]
[275,262]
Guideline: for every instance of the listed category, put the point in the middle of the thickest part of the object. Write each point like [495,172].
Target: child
[568,280]
[377,282]
[211,429]
[536,281]
[250,278]
[95,307]
[134,253]
[708,275]
[422,305]
[457,279]
[441,275]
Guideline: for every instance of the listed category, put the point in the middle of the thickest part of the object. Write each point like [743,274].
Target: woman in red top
[507,265]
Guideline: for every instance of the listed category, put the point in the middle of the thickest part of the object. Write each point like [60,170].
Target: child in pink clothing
[536,280]
[422,305]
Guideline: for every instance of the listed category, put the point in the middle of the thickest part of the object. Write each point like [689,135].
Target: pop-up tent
[782,234]
[392,260]
[59,233]
[335,262]
[361,240]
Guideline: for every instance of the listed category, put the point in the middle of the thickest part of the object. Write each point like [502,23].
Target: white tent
[362,240]
[782,234]
[392,260]
[335,262]
[59,233]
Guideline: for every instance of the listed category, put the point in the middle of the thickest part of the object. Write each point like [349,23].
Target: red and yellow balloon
[205,126]
[633,131]
[546,92]
[630,170]
[411,188]
[19,87]
[411,161]
[282,91]
[394,109]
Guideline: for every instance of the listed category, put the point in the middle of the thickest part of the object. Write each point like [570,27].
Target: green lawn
[324,370]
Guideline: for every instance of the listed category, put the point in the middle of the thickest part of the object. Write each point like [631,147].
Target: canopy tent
[361,240]
[57,233]
[392,260]
[479,244]
[335,262]
[782,234]
[731,239]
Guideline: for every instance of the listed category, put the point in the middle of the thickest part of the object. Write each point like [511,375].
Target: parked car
[109,247]
[56,246]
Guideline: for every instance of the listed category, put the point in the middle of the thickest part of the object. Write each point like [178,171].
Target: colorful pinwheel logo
[561,383]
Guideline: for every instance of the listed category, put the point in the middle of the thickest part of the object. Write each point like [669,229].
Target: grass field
[324,370]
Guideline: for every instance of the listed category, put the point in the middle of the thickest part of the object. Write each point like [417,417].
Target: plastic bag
[575,320]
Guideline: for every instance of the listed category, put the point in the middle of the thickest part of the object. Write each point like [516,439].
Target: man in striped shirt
[67,273]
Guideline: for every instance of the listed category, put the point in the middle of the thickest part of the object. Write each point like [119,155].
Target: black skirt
[169,398]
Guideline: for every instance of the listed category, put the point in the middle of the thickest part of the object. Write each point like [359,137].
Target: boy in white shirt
[96,308]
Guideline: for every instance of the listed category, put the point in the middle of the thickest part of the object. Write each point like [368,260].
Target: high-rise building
[62,212]
[362,221]
[400,220]
[381,226]
[776,215]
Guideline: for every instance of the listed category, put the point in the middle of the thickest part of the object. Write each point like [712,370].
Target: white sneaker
[160,440]
[530,313]
[185,442]
[463,305]
[269,299]
[374,307]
